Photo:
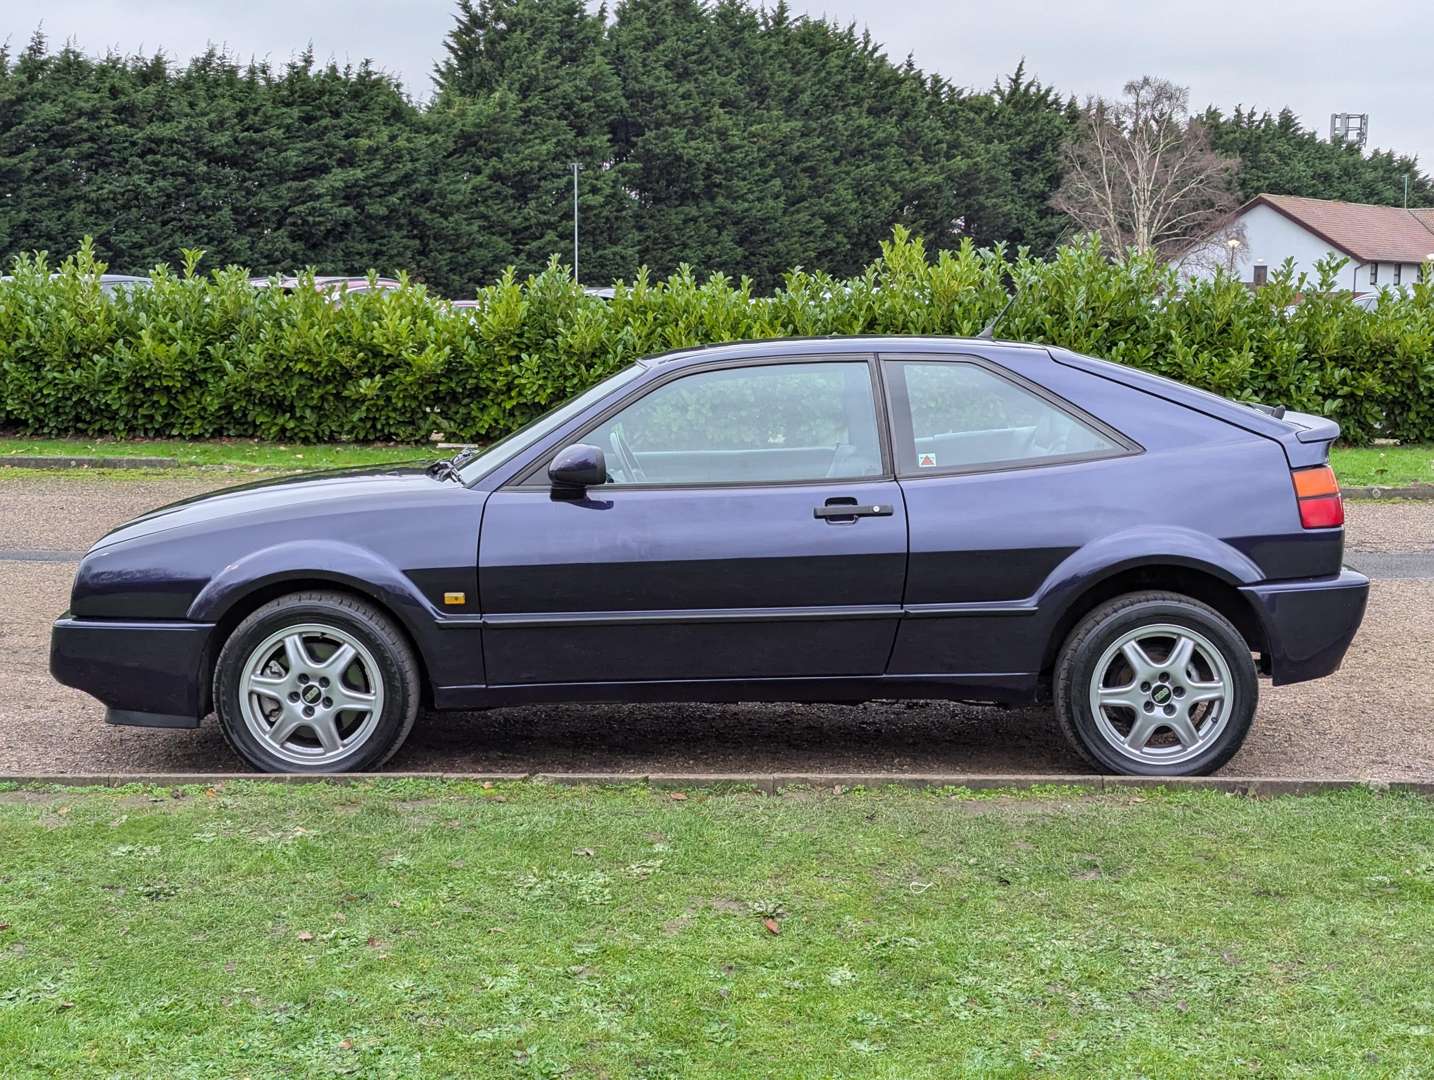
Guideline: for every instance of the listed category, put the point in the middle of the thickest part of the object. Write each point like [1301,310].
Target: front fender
[337,561]
[1165,545]
[450,649]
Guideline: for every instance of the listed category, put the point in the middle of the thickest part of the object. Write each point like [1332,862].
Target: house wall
[1408,276]
[1271,238]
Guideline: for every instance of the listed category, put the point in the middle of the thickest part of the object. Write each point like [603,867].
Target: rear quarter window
[953,415]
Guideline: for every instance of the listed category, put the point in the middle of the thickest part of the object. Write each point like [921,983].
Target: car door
[750,528]
[1002,481]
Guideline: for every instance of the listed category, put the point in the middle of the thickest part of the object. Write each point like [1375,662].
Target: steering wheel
[626,456]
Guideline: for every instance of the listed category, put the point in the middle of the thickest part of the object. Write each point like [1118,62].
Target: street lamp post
[576,169]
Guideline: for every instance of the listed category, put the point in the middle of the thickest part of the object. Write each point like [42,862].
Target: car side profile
[831,519]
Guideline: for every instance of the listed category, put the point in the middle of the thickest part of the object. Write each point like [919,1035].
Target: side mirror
[578,466]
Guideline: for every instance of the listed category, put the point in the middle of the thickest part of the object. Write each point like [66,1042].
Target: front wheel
[1155,684]
[316,682]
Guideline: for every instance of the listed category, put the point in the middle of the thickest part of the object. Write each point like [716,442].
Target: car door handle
[852,510]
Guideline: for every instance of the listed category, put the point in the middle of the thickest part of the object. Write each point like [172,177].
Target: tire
[1209,701]
[361,705]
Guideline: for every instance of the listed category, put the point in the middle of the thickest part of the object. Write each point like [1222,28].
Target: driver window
[778,423]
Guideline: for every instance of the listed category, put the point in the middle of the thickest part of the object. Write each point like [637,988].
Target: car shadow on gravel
[916,736]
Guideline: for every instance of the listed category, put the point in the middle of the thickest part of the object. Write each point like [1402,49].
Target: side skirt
[1007,688]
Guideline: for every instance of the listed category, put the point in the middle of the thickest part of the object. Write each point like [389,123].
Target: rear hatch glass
[1260,419]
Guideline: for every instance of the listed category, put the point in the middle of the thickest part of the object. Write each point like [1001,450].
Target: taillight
[1321,506]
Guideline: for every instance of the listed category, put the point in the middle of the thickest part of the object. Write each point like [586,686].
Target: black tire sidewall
[392,724]
[1078,668]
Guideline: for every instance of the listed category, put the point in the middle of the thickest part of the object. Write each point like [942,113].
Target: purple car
[806,520]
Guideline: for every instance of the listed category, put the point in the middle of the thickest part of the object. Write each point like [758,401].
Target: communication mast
[1349,127]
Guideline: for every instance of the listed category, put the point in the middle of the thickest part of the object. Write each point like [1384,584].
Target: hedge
[204,354]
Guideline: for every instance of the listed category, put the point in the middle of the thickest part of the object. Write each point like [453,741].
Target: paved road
[38,555]
[1369,719]
[1393,565]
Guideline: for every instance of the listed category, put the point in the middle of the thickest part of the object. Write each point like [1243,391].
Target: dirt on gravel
[1370,719]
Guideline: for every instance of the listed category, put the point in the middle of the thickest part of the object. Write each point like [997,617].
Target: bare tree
[1142,174]
[1222,247]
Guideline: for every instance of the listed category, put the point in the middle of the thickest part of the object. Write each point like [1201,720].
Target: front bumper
[148,673]
[1309,623]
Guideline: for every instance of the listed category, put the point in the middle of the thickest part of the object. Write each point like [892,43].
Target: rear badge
[455,598]
[926,461]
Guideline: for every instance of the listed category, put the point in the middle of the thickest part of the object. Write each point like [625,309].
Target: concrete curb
[768,783]
[1416,491]
[33,461]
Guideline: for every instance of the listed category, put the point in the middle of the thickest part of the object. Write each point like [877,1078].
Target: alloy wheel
[311,694]
[1161,694]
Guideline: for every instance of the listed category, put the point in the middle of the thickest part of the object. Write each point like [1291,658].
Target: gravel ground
[1407,525]
[69,511]
[1371,719]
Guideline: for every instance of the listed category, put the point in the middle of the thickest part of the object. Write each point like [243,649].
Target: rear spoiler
[1306,438]
[1312,429]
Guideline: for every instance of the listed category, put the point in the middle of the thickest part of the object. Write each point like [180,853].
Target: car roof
[804,346]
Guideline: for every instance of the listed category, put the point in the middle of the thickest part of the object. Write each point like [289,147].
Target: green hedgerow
[197,355]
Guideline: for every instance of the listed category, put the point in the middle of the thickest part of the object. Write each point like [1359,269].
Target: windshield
[506,447]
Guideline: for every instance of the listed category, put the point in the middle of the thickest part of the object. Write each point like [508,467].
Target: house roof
[1363,232]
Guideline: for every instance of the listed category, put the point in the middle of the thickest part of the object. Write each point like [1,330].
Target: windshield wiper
[447,468]
[442,469]
[464,456]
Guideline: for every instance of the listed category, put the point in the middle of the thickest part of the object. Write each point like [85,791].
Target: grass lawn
[229,453]
[404,929]
[1388,466]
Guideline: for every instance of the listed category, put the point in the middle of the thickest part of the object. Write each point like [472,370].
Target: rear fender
[1164,545]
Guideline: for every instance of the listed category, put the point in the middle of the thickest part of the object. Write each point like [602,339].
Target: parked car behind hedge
[335,287]
[109,283]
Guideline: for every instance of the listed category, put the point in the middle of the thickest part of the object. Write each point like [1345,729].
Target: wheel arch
[243,601]
[1203,582]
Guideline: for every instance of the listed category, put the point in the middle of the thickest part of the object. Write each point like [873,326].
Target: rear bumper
[1309,623]
[148,673]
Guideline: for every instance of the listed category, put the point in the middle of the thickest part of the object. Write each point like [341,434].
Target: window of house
[1398,268]
[1374,273]
[775,423]
[1261,274]
[959,416]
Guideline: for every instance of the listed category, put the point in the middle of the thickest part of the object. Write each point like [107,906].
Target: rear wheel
[316,682]
[1156,684]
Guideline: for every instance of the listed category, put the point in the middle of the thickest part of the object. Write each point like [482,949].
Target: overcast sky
[1317,56]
